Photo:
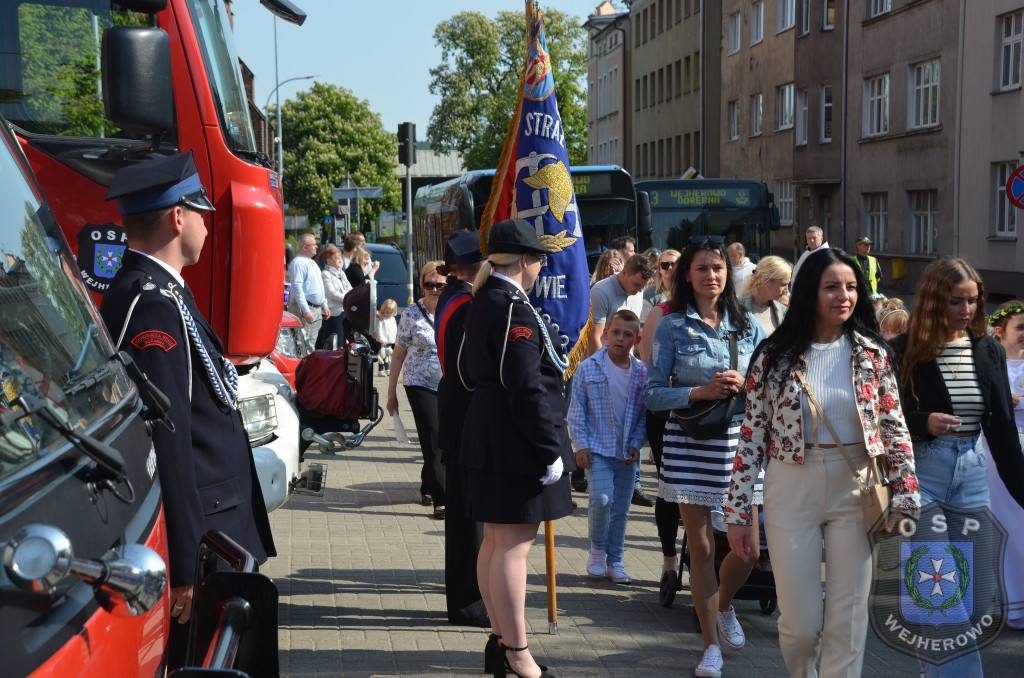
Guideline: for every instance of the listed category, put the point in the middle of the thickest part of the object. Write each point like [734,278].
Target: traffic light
[406,144]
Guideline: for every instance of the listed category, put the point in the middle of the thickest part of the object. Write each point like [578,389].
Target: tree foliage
[329,133]
[478,79]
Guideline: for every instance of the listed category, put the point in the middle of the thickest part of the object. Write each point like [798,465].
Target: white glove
[553,474]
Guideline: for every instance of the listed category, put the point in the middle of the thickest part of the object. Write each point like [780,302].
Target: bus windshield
[681,209]
[607,204]
[218,47]
[51,344]
[50,80]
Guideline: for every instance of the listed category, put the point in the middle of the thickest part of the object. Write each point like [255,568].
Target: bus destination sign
[592,184]
[702,197]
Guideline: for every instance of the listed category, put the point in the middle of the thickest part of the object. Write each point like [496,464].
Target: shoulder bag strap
[733,358]
[816,412]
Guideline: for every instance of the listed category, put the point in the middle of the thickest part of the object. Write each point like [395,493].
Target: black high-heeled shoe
[506,668]
[492,657]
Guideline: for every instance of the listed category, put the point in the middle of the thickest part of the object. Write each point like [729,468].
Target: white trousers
[808,507]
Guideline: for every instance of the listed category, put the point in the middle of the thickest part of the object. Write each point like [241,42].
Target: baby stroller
[760,585]
[335,386]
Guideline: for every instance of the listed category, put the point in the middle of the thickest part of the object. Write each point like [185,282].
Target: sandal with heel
[492,659]
[505,668]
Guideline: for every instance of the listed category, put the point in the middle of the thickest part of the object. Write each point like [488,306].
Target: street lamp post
[277,91]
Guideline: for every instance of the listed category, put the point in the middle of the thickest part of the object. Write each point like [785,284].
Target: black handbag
[710,420]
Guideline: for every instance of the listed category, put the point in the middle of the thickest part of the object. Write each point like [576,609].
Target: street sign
[353,193]
[1015,187]
[328,220]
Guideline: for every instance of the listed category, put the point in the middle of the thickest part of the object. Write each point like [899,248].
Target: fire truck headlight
[259,415]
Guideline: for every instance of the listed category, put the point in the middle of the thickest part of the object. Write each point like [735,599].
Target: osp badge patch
[937,585]
[100,254]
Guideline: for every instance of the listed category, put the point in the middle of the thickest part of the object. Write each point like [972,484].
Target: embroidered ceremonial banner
[533,183]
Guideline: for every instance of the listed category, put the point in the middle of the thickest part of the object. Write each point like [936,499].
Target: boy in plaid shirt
[607,425]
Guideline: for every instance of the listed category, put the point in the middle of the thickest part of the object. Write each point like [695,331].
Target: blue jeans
[951,469]
[611,490]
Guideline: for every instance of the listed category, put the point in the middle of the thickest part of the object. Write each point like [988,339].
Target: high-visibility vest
[871,274]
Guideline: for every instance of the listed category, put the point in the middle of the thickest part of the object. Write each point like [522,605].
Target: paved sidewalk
[361,577]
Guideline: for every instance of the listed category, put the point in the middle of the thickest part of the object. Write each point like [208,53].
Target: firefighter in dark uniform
[206,468]
[515,446]
[462,536]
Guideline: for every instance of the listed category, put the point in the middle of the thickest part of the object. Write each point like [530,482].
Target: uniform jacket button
[216,504]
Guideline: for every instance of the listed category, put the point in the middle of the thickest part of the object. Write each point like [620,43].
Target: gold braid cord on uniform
[579,351]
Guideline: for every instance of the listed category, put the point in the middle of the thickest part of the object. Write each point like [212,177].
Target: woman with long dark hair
[825,361]
[689,365]
[954,387]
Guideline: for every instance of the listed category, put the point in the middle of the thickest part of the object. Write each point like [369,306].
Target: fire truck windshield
[51,345]
[217,44]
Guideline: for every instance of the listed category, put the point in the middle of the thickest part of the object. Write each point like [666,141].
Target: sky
[382,51]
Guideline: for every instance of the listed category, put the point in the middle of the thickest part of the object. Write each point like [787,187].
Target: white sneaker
[711,665]
[617,573]
[729,629]
[596,563]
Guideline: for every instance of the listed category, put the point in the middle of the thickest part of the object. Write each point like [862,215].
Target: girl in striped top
[953,387]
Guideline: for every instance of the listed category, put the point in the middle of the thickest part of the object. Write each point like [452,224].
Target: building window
[687,158]
[801,118]
[828,19]
[679,12]
[661,17]
[645,25]
[661,85]
[826,114]
[652,92]
[924,221]
[636,40]
[1010,50]
[696,70]
[661,157]
[756,106]
[591,94]
[784,107]
[637,165]
[645,92]
[1005,212]
[636,94]
[785,15]
[876,105]
[686,5]
[803,17]
[679,77]
[734,121]
[784,201]
[756,22]
[668,14]
[668,81]
[696,149]
[734,32]
[876,7]
[923,110]
[876,218]
[615,90]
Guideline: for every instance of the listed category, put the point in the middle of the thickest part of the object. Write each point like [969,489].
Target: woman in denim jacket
[689,362]
[830,336]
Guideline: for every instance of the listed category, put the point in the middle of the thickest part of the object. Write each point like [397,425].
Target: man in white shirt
[815,241]
[742,267]
[308,300]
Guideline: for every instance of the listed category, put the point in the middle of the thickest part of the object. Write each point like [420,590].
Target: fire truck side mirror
[138,95]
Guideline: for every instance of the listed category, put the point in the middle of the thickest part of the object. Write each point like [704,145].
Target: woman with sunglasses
[660,291]
[416,351]
[689,364]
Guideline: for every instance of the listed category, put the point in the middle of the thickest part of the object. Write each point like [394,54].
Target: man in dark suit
[462,536]
[206,468]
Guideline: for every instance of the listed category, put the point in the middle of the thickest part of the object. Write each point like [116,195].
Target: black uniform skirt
[513,498]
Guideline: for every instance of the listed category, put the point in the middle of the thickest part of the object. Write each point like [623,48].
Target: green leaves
[328,133]
[478,79]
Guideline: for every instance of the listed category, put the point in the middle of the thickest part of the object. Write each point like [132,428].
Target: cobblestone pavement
[361,578]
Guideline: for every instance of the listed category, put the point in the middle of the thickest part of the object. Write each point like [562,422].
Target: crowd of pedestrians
[720,365]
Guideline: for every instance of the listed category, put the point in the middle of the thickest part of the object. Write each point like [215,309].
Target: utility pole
[407,156]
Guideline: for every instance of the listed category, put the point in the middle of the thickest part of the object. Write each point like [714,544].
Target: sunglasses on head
[707,240]
[666,265]
[433,286]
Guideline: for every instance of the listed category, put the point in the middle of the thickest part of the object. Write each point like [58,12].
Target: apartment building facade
[758,101]
[609,123]
[986,227]
[675,79]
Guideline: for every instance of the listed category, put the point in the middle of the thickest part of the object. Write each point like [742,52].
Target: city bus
[740,210]
[609,205]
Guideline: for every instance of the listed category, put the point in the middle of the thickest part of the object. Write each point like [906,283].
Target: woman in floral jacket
[831,339]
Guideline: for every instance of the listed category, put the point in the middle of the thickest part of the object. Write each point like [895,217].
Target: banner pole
[549,553]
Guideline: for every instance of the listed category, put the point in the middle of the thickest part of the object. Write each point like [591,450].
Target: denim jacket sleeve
[659,395]
[638,433]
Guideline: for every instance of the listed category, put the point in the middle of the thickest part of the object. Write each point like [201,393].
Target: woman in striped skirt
[689,363]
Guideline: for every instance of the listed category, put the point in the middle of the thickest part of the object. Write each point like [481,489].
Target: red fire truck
[91,86]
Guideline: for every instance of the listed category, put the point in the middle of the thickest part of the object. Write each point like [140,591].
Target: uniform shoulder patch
[519,333]
[144,340]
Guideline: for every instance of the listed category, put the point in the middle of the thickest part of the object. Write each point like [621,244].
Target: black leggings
[666,514]
[423,403]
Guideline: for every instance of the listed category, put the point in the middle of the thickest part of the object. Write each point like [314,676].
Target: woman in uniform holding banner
[515,446]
